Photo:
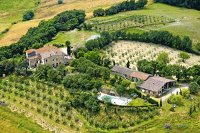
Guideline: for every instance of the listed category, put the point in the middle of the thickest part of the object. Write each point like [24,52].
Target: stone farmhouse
[153,85]
[50,55]
[157,85]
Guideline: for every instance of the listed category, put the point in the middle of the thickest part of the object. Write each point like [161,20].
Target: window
[46,60]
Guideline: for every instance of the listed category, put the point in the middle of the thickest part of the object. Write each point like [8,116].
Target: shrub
[99,12]
[176,99]
[28,15]
[186,93]
[198,80]
[194,88]
[5,31]
[167,126]
[60,1]
[184,56]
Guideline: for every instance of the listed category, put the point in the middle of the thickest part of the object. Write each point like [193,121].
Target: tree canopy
[195,4]
[127,5]
[28,15]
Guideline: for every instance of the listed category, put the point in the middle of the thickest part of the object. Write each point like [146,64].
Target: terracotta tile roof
[122,70]
[45,52]
[155,83]
[140,75]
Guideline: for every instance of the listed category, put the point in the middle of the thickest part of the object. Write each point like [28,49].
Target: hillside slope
[45,10]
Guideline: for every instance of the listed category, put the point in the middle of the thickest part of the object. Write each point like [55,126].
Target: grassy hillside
[12,122]
[11,11]
[45,10]
[186,20]
[180,121]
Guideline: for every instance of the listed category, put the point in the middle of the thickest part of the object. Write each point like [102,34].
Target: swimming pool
[122,101]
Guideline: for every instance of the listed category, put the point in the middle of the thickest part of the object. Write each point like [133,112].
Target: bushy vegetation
[121,7]
[195,4]
[180,72]
[194,88]
[60,1]
[118,117]
[48,73]
[176,99]
[81,82]
[28,15]
[86,66]
[184,56]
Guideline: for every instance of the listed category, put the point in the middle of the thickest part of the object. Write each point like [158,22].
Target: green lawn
[75,37]
[187,20]
[12,11]
[138,102]
[17,123]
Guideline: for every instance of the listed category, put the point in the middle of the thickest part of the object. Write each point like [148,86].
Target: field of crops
[47,105]
[122,51]
[129,22]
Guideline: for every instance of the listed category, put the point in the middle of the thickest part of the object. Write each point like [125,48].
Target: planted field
[129,22]
[48,105]
[122,51]
[186,20]
[75,37]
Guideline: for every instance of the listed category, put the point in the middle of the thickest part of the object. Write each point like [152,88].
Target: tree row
[121,7]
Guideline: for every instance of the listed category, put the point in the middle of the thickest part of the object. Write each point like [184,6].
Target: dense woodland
[121,7]
[194,4]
